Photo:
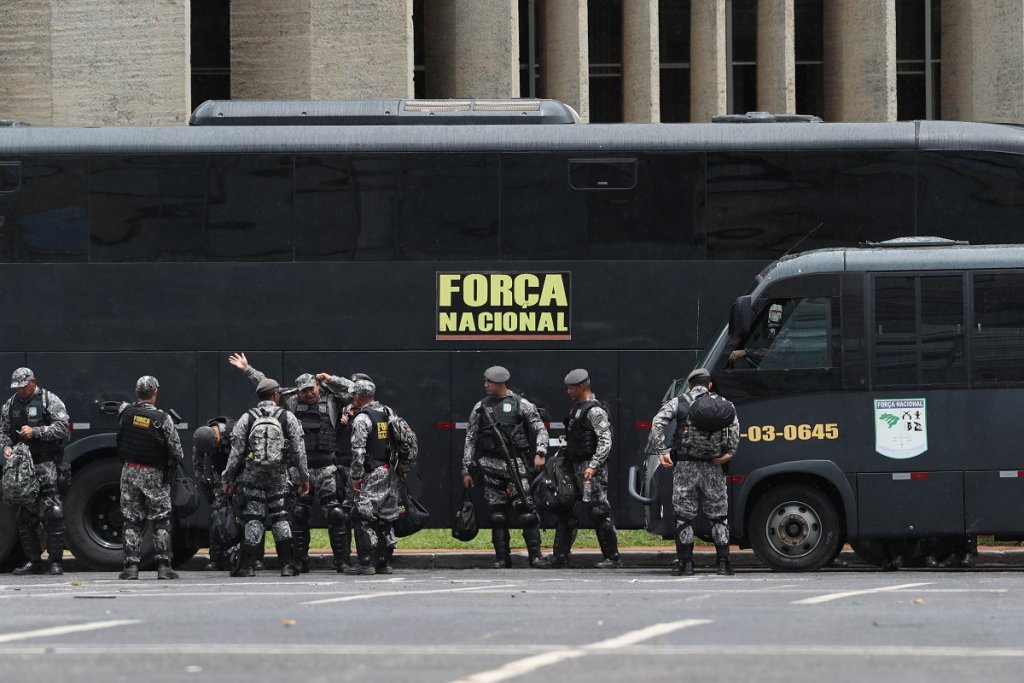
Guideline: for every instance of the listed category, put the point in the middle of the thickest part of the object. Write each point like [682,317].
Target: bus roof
[914,254]
[589,138]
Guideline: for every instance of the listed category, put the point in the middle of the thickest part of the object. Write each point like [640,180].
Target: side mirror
[741,317]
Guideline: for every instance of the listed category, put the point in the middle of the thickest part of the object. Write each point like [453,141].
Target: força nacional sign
[504,305]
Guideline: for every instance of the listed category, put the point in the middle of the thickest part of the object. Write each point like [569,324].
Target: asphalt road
[519,624]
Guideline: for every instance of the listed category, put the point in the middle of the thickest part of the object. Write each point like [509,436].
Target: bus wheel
[92,516]
[794,528]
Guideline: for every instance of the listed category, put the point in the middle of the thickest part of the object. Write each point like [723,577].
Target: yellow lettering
[527,322]
[466,323]
[501,289]
[447,321]
[553,291]
[562,327]
[474,289]
[382,430]
[545,323]
[141,422]
[524,298]
[448,285]
[485,322]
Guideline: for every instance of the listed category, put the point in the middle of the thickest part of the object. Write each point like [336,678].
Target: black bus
[879,390]
[346,238]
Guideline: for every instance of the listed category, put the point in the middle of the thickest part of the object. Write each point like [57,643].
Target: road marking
[389,594]
[64,630]
[828,597]
[524,666]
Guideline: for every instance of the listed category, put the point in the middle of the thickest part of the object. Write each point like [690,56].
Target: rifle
[513,471]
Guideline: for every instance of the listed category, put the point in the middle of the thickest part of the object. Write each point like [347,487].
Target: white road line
[828,597]
[389,594]
[524,666]
[64,630]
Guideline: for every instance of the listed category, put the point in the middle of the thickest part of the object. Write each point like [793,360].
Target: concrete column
[983,60]
[25,91]
[564,54]
[472,48]
[860,60]
[708,85]
[270,49]
[641,82]
[96,62]
[361,49]
[776,57]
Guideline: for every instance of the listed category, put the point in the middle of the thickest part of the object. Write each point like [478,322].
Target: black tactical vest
[377,451]
[319,430]
[580,437]
[682,409]
[343,449]
[141,438]
[219,458]
[33,414]
[509,420]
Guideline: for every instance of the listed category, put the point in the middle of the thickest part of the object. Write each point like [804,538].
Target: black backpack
[465,526]
[711,413]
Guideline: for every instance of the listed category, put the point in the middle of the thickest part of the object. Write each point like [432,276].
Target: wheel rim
[103,519]
[793,529]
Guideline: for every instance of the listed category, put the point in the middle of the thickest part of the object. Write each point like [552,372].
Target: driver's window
[788,333]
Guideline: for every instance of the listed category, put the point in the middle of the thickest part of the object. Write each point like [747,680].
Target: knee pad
[528,520]
[682,524]
[600,515]
[162,524]
[336,517]
[719,520]
[301,514]
[53,513]
[498,515]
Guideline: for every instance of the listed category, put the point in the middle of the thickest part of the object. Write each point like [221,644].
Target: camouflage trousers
[323,487]
[145,496]
[376,504]
[343,484]
[217,499]
[598,484]
[265,493]
[499,489]
[690,478]
[46,509]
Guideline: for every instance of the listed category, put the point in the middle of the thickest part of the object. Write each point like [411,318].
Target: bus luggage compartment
[892,504]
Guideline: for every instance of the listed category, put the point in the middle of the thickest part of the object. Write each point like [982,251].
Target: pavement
[989,557]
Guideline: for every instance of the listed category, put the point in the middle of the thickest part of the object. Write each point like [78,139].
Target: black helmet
[205,440]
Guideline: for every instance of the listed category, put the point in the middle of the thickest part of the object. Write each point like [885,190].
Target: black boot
[129,573]
[55,545]
[559,556]
[383,564]
[532,538]
[261,551]
[29,535]
[218,560]
[684,557]
[286,557]
[341,545]
[500,539]
[164,570]
[722,554]
[609,541]
[246,561]
[300,539]
[365,548]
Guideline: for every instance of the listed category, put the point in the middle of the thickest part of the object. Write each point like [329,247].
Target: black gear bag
[711,413]
[554,490]
[184,493]
[465,526]
[412,516]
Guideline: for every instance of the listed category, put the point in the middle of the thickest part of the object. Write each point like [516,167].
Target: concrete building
[119,62]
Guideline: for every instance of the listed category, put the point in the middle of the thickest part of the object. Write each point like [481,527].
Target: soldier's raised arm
[239,361]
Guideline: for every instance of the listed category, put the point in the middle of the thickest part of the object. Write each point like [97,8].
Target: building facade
[123,62]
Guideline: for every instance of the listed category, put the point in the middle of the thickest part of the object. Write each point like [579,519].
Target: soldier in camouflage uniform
[374,478]
[691,476]
[38,418]
[265,487]
[149,448]
[588,442]
[211,446]
[320,415]
[515,417]
[343,469]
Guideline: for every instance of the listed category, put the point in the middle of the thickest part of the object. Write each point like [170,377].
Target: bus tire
[794,528]
[92,516]
[10,547]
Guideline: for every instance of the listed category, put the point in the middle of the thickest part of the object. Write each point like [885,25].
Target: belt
[139,465]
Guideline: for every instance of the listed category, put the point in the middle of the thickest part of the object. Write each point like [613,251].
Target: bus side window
[788,334]
[997,342]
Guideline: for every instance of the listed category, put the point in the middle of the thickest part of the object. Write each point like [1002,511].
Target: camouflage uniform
[265,490]
[588,445]
[375,504]
[145,483]
[323,480]
[691,477]
[208,468]
[499,489]
[46,446]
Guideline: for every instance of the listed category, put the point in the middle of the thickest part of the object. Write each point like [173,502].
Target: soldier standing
[343,471]
[211,446]
[319,413]
[149,448]
[374,482]
[504,420]
[38,418]
[692,475]
[588,442]
[258,442]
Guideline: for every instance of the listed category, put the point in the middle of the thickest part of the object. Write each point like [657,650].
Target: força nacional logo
[504,305]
